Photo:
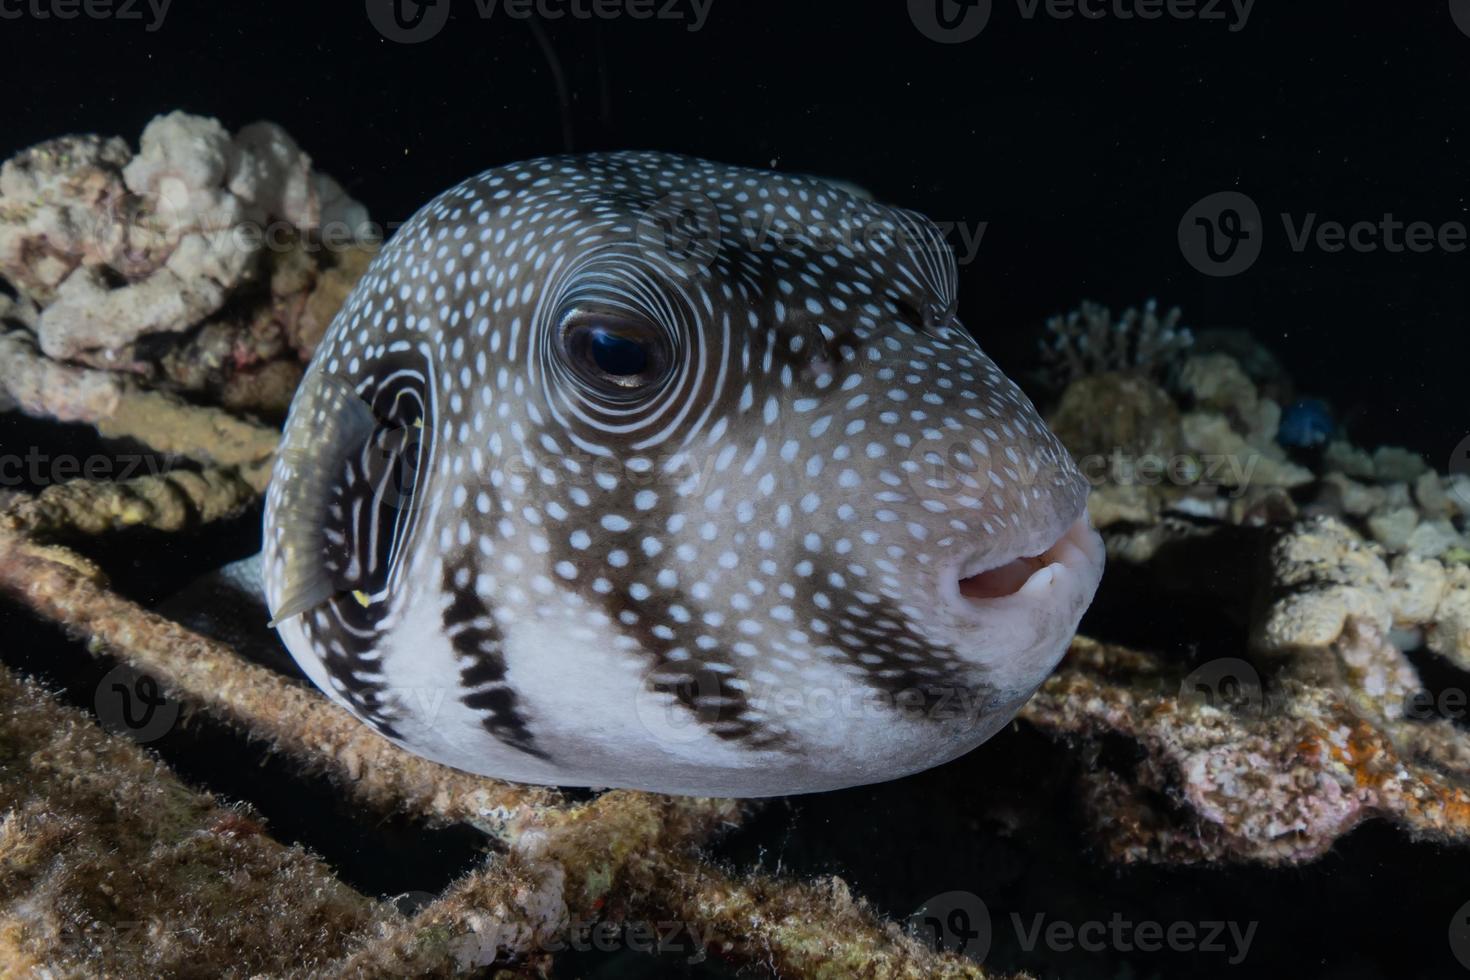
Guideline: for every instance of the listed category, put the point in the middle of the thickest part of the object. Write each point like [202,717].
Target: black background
[1081,143]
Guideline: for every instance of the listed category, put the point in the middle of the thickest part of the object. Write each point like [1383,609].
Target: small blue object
[1306,423]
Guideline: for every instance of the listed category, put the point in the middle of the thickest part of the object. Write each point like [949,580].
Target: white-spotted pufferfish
[636,470]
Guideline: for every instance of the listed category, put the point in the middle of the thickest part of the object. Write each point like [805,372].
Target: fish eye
[614,351]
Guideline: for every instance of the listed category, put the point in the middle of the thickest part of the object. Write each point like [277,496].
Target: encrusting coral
[1325,722]
[110,866]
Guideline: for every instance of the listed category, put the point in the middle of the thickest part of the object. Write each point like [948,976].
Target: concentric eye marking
[614,352]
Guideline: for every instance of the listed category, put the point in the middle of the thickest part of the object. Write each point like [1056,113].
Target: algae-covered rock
[1102,414]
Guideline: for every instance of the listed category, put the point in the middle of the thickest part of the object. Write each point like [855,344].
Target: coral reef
[1319,719]
[1323,580]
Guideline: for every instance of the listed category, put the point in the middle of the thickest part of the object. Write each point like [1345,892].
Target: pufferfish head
[638,470]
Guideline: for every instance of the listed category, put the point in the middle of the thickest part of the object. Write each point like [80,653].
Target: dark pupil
[618,356]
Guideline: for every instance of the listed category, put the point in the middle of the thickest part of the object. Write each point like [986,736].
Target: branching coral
[1089,341]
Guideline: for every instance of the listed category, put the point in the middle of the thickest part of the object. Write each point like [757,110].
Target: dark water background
[1081,144]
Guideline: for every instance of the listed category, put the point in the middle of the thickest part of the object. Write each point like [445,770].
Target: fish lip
[1077,551]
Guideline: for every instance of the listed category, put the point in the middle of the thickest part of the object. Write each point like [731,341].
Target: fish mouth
[1078,551]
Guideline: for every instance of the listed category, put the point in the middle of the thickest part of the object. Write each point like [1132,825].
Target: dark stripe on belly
[478,644]
[924,680]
